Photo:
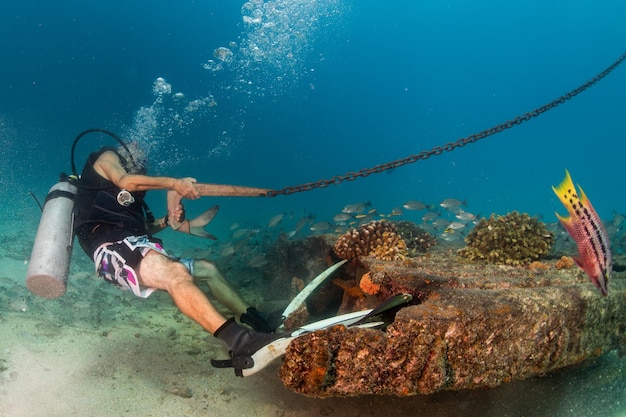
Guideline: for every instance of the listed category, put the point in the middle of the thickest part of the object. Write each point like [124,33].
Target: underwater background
[279,93]
[315,89]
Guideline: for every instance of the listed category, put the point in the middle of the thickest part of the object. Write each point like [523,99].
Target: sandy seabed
[99,351]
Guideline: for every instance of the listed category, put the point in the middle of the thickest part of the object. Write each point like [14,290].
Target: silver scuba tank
[49,263]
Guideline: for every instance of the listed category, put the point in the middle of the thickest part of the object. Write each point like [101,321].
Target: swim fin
[275,347]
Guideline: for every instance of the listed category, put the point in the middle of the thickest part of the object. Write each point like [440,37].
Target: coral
[297,285]
[537,266]
[298,318]
[417,239]
[566,262]
[350,288]
[513,239]
[376,238]
[367,286]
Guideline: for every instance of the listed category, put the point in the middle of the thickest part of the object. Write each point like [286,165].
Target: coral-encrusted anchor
[277,348]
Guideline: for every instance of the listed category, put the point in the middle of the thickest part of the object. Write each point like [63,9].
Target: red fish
[587,230]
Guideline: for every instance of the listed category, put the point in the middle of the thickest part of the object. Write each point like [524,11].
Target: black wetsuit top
[98,217]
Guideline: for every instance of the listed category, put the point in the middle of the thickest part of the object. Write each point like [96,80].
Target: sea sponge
[565,262]
[417,239]
[367,286]
[513,239]
[377,238]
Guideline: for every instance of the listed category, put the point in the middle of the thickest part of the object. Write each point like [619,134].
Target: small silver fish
[431,215]
[441,223]
[450,237]
[274,221]
[464,215]
[320,227]
[239,233]
[342,217]
[396,211]
[452,202]
[303,221]
[414,205]
[227,250]
[364,218]
[356,207]
[257,261]
[456,225]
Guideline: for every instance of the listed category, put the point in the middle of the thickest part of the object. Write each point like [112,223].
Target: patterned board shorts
[117,262]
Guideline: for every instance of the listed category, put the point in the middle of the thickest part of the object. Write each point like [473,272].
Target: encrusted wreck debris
[472,325]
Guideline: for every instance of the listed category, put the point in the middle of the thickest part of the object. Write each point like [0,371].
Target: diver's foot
[261,322]
[242,344]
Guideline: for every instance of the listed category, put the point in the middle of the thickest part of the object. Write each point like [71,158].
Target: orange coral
[565,262]
[537,266]
[368,286]
[349,288]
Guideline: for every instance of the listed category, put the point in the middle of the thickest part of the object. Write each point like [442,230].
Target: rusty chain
[450,146]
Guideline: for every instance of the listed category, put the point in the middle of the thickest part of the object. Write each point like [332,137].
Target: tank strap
[59,193]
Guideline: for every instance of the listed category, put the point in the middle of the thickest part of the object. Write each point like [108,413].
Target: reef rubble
[471,325]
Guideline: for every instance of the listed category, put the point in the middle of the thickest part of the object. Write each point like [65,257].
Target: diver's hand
[186,187]
[176,215]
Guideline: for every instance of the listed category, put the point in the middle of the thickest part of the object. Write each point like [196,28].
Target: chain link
[448,147]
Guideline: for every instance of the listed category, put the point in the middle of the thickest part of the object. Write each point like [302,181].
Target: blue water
[340,87]
[311,89]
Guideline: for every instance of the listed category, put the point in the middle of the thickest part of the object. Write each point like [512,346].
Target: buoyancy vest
[98,216]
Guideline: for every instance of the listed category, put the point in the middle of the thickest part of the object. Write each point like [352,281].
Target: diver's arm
[108,166]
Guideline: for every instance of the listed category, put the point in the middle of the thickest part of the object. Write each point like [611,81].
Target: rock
[473,325]
[180,391]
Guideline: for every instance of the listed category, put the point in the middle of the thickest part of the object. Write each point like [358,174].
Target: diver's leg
[220,288]
[158,271]
[225,294]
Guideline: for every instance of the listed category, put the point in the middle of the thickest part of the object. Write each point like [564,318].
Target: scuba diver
[115,228]
[106,210]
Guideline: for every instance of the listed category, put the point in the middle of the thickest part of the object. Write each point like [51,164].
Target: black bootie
[242,344]
[258,322]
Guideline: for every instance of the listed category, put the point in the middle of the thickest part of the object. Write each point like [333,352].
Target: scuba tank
[49,264]
[50,258]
